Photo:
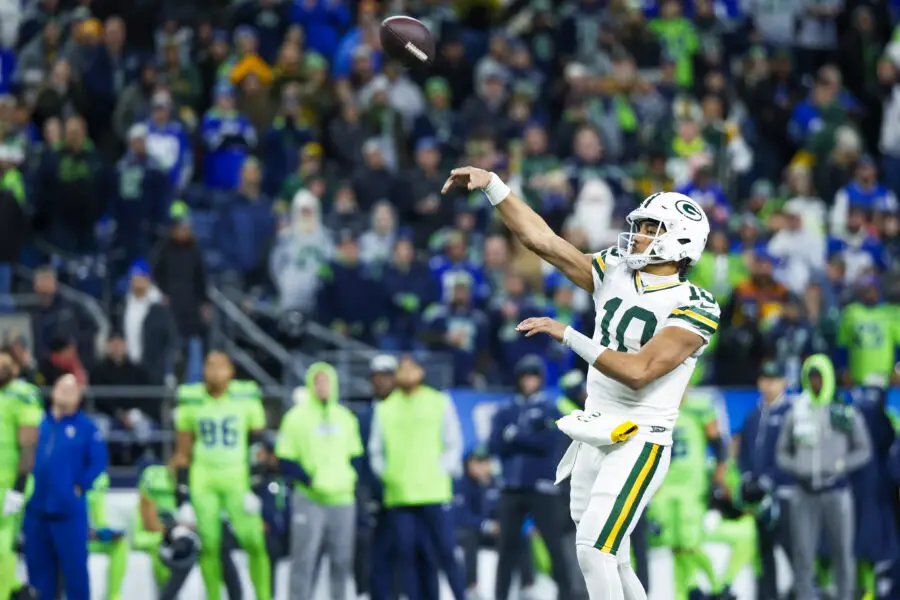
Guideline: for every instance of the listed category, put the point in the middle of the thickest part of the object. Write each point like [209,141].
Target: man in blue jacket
[761,477]
[70,455]
[525,439]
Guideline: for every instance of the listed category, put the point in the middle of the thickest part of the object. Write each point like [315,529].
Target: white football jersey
[632,307]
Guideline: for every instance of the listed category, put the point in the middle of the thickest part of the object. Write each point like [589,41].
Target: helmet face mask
[681,231]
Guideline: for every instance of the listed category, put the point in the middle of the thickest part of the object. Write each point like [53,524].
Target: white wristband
[496,191]
[582,345]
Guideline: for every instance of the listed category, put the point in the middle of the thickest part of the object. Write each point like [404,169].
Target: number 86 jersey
[632,307]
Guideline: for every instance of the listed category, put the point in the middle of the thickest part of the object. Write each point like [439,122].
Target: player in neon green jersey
[680,505]
[21,411]
[869,338]
[736,529]
[155,521]
[214,421]
[105,540]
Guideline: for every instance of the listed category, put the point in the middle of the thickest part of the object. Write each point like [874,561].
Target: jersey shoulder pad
[25,392]
[698,311]
[244,389]
[190,393]
[604,259]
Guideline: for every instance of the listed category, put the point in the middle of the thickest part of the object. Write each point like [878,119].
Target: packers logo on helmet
[689,210]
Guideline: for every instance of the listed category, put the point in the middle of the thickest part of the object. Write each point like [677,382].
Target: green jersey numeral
[213,432]
[701,294]
[635,312]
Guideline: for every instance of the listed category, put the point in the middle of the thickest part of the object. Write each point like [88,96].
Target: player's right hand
[467,177]
[186,515]
[13,503]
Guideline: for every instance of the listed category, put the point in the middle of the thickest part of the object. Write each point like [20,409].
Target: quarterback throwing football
[651,326]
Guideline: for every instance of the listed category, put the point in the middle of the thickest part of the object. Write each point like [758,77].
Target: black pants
[548,514]
[471,541]
[768,537]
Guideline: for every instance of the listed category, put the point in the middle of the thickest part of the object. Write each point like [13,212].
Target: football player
[651,325]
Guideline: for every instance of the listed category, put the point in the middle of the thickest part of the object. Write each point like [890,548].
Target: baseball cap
[138,131]
[383,363]
[479,452]
[139,268]
[161,100]
[179,212]
[771,369]
[436,85]
[426,143]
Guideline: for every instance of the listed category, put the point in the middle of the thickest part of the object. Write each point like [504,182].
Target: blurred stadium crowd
[153,147]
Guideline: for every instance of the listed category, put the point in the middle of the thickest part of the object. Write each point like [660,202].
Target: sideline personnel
[820,444]
[415,447]
[317,448]
[70,455]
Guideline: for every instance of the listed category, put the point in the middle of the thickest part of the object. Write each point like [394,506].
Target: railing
[90,306]
[353,369]
[293,365]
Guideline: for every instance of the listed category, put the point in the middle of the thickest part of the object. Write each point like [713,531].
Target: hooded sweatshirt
[299,252]
[136,310]
[322,437]
[821,441]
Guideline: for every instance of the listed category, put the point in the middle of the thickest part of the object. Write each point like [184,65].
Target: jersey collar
[647,283]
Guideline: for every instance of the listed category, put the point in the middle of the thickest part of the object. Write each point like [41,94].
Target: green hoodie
[323,437]
[823,365]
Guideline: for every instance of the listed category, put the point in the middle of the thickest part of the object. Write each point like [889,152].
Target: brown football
[407,40]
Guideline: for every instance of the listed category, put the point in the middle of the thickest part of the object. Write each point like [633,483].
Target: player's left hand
[534,325]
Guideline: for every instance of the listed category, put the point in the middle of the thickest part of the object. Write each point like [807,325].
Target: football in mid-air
[407,40]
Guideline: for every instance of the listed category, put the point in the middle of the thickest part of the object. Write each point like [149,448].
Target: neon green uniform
[871,335]
[680,505]
[116,550]
[20,406]
[158,486]
[220,476]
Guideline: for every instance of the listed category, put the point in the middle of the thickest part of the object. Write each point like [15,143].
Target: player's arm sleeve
[860,444]
[31,408]
[452,438]
[184,418]
[257,418]
[700,317]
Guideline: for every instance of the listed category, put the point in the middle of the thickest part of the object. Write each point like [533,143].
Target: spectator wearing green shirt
[719,270]
[679,40]
[869,338]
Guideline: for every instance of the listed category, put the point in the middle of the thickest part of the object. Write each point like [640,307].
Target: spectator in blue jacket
[141,194]
[228,138]
[762,478]
[322,21]
[409,289]
[351,299]
[70,455]
[525,439]
[507,309]
[475,500]
[454,325]
[246,226]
